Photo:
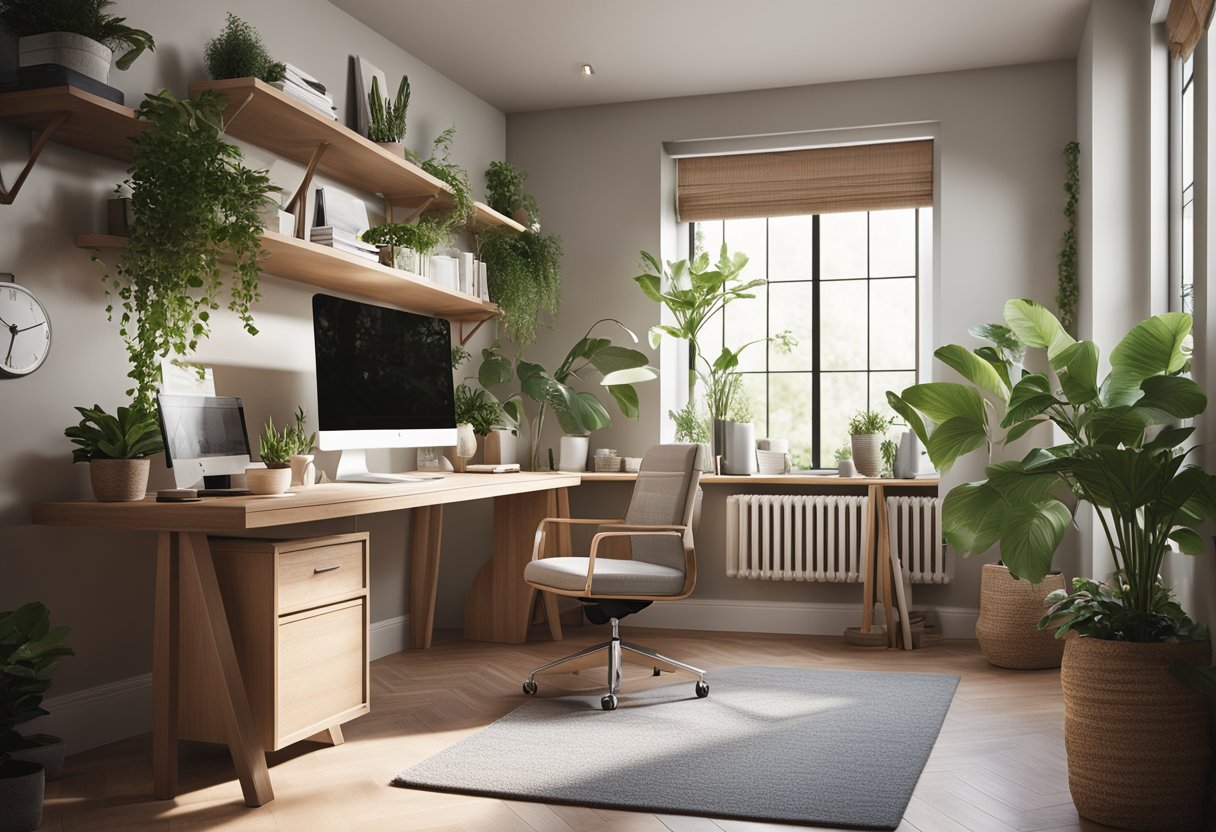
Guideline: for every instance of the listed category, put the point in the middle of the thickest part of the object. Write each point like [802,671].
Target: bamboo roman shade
[1186,21]
[862,177]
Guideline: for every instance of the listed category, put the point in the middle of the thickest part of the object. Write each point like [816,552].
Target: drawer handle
[320,569]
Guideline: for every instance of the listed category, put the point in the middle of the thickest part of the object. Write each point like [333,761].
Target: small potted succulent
[276,448]
[29,654]
[117,448]
[866,430]
[303,469]
[79,35]
[386,126]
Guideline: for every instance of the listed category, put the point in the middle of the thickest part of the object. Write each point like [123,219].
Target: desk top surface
[233,515]
[780,479]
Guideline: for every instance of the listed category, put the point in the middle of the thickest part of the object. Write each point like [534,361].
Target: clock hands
[13,331]
[32,326]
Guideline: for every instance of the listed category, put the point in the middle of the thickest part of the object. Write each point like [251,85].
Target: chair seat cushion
[612,576]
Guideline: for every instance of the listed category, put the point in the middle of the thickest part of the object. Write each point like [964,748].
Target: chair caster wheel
[529,688]
[657,672]
[608,703]
[702,690]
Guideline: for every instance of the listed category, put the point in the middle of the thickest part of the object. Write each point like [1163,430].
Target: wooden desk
[499,593]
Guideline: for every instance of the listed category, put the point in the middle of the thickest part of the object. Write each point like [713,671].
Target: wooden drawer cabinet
[298,611]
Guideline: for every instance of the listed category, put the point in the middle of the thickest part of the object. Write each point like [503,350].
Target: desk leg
[499,603]
[426,528]
[244,744]
[867,572]
[165,667]
[884,563]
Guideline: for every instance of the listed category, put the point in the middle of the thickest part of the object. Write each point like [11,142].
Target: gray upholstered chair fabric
[612,577]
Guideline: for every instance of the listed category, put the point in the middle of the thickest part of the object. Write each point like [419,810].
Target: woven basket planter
[1137,740]
[867,456]
[1009,613]
[119,480]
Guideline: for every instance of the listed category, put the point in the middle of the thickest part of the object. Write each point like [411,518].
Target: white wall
[100,583]
[598,174]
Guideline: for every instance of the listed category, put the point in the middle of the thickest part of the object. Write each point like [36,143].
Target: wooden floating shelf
[486,217]
[326,268]
[94,124]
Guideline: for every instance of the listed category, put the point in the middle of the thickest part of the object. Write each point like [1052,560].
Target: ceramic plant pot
[119,480]
[394,148]
[303,471]
[466,446]
[1137,740]
[267,481]
[501,447]
[867,456]
[69,50]
[1009,614]
[735,442]
[46,751]
[573,453]
[845,468]
[22,787]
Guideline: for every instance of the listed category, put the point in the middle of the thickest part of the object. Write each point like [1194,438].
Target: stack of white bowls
[772,456]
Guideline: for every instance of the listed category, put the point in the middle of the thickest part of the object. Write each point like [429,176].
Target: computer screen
[204,436]
[384,376]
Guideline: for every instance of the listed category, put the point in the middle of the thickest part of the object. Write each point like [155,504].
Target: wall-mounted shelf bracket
[465,337]
[299,203]
[415,208]
[8,195]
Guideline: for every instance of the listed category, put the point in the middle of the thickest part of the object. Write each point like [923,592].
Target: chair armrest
[637,531]
[538,543]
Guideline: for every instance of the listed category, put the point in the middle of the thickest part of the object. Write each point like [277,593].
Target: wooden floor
[998,765]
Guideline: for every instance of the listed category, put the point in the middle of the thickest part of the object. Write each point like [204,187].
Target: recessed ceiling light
[586,70]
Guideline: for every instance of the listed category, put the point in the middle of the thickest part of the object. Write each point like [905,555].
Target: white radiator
[780,537]
[915,531]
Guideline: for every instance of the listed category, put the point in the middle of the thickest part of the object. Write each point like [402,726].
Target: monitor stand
[220,485]
[352,467]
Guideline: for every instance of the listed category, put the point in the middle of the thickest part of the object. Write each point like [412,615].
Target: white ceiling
[524,55]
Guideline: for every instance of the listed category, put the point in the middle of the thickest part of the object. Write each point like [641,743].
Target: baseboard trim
[99,715]
[388,636]
[787,617]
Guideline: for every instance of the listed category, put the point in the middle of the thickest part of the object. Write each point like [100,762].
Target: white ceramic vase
[466,446]
[572,454]
[501,447]
[303,471]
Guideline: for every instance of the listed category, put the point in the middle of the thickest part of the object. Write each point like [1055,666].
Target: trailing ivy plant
[238,52]
[193,202]
[1067,291]
[524,274]
[440,165]
[505,192]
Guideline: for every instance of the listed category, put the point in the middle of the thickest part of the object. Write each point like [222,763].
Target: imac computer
[384,380]
[205,439]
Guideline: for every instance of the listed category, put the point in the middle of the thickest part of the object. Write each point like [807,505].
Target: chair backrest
[666,493]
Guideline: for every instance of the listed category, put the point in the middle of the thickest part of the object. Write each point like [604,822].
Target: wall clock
[25,330]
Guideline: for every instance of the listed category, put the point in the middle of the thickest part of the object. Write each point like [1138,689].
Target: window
[845,286]
[1184,295]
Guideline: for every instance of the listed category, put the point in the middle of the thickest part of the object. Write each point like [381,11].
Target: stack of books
[327,235]
[303,87]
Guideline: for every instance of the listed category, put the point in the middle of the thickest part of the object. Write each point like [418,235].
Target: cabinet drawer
[322,668]
[308,577]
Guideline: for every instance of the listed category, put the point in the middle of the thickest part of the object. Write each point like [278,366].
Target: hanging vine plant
[1067,290]
[524,274]
[192,202]
[440,165]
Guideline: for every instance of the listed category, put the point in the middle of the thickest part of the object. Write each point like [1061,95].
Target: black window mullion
[816,406]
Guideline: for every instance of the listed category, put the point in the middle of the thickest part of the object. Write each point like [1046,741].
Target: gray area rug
[791,745]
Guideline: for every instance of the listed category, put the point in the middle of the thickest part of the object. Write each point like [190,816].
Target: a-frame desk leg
[165,640]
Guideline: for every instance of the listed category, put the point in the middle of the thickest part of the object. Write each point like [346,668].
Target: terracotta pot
[867,457]
[119,480]
[266,481]
[1009,614]
[1137,739]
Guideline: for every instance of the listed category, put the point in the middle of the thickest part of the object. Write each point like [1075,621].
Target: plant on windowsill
[275,447]
[505,194]
[30,652]
[80,35]
[866,432]
[579,412]
[386,126]
[734,435]
[117,447]
[888,450]
[238,52]
[844,461]
[1123,456]
[524,275]
[193,203]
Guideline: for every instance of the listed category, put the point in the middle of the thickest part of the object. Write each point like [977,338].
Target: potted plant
[505,194]
[888,450]
[80,35]
[1123,456]
[275,448]
[238,52]
[866,430]
[523,272]
[692,426]
[406,246]
[1010,609]
[194,207]
[117,448]
[300,444]
[440,165]
[30,652]
[844,461]
[734,435]
[579,412]
[387,124]
[479,411]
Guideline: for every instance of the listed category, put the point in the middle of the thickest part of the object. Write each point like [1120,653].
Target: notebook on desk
[503,468]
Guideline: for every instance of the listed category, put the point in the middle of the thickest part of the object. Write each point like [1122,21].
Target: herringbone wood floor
[998,765]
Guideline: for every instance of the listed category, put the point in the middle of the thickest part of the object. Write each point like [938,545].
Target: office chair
[658,524]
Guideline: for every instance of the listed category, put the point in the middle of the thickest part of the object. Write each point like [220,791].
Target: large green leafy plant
[505,191]
[579,412]
[193,203]
[525,280]
[131,433]
[30,652]
[82,17]
[1122,453]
